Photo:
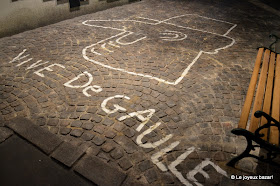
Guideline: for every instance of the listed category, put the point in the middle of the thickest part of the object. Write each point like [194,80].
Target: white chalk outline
[126,33]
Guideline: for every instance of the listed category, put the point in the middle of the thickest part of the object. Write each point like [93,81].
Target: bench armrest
[269,123]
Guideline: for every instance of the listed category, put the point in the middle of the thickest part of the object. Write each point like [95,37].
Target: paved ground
[146,93]
[26,165]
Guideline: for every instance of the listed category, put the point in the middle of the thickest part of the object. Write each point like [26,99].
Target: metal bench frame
[267,98]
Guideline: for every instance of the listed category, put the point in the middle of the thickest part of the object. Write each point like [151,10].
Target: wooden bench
[263,127]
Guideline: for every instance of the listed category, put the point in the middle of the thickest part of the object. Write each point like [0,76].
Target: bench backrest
[266,76]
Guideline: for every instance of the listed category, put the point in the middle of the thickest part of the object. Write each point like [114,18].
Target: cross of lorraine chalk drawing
[136,43]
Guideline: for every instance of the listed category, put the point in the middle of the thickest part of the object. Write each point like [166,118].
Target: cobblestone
[199,111]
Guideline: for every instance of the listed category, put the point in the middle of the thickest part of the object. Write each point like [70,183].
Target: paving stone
[229,148]
[52,122]
[85,117]
[219,156]
[125,164]
[151,175]
[92,110]
[40,137]
[41,121]
[68,154]
[81,109]
[108,122]
[130,122]
[99,172]
[110,134]
[53,130]
[119,126]
[145,165]
[108,147]
[96,118]
[76,132]
[168,178]
[129,132]
[64,130]
[76,123]
[116,153]
[129,146]
[87,125]
[98,140]
[87,136]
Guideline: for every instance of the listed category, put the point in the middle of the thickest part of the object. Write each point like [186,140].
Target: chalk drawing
[155,157]
[34,65]
[68,84]
[155,144]
[199,169]
[166,35]
[117,107]
[24,62]
[94,88]
[139,115]
[17,58]
[177,36]
[48,68]
[172,166]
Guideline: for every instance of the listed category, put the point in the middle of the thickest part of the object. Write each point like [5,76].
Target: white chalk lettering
[155,144]
[139,115]
[24,62]
[173,36]
[155,157]
[199,169]
[36,64]
[172,166]
[117,107]
[48,68]
[94,88]
[68,84]
[19,56]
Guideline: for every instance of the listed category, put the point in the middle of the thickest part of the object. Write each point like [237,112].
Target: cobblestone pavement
[152,88]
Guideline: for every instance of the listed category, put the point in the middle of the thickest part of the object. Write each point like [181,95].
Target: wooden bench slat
[250,93]
[268,93]
[260,92]
[274,133]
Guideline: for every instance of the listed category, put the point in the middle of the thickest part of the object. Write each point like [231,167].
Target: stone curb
[99,172]
[43,139]
[88,166]
[5,133]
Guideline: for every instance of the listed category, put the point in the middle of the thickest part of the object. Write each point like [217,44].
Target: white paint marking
[36,64]
[24,62]
[19,56]
[230,30]
[103,47]
[185,72]
[68,84]
[117,107]
[199,169]
[112,44]
[188,68]
[155,157]
[94,88]
[93,51]
[172,166]
[155,144]
[48,68]
[139,115]
[175,35]
[129,43]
